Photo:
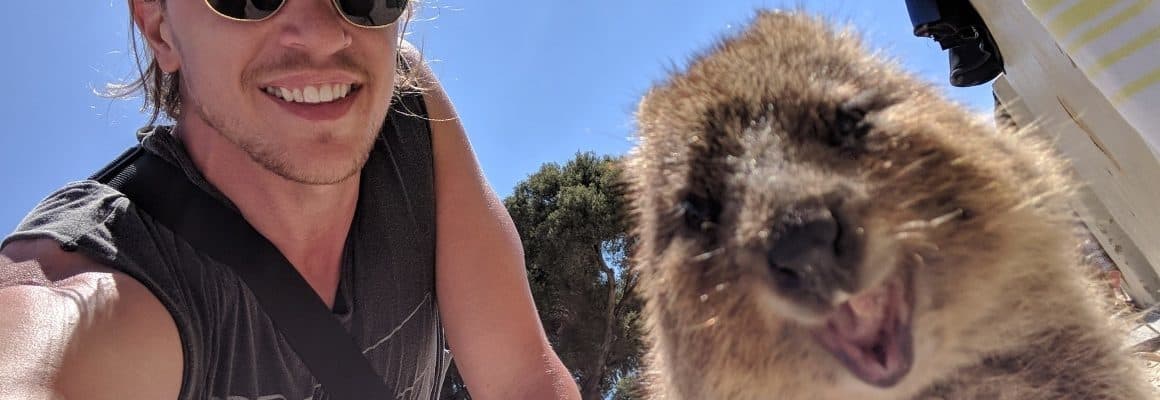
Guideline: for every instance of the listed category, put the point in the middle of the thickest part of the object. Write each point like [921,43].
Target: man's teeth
[311,94]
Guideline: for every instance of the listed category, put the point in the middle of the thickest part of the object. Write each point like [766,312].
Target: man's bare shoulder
[71,327]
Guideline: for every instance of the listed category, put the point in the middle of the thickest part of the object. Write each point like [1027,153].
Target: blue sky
[534,81]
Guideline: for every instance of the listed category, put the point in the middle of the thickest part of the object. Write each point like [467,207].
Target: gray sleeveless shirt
[386,293]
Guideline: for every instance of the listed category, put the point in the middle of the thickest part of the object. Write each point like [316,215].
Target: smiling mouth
[314,94]
[871,333]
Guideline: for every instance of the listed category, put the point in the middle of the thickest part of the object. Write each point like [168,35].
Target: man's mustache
[298,61]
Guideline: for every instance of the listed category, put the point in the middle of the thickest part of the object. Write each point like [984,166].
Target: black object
[164,193]
[973,56]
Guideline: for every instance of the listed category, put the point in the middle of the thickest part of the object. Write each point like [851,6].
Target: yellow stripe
[1126,50]
[1137,86]
[1077,14]
[1104,27]
[1042,6]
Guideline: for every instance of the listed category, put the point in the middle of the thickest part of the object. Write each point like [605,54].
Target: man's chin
[324,164]
[315,174]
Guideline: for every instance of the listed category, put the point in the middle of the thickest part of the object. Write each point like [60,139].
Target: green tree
[572,223]
[629,388]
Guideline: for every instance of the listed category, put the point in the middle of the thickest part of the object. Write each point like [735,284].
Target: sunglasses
[364,13]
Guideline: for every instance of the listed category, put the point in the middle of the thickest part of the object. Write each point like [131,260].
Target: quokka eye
[850,124]
[700,212]
[850,127]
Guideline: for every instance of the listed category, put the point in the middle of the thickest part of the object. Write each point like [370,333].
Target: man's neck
[309,224]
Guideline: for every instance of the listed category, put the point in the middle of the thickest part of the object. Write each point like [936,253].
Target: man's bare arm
[495,334]
[72,329]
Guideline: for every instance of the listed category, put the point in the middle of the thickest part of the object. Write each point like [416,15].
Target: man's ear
[149,15]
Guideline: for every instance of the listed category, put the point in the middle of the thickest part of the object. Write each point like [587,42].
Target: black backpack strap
[163,192]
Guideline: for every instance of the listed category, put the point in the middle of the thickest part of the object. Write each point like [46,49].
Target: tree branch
[592,386]
[629,292]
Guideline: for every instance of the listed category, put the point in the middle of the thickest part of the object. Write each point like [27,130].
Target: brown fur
[1001,310]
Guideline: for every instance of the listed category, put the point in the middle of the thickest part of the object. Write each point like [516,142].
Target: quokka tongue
[870,305]
[863,316]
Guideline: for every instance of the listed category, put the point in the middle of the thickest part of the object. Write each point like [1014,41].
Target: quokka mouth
[871,333]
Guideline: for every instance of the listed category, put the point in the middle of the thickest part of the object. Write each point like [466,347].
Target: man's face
[237,76]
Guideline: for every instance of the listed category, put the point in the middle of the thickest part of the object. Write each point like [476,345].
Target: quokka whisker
[910,226]
[920,224]
[706,256]
[914,165]
[908,235]
[942,219]
[919,261]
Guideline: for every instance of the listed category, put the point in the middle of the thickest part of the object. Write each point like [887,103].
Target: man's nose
[314,27]
[811,256]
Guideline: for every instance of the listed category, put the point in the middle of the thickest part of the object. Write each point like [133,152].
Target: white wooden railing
[1087,73]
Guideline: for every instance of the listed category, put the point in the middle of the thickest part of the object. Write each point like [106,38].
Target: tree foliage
[573,226]
[630,387]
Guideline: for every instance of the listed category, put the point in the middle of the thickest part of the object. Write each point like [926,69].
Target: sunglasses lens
[245,9]
[372,13]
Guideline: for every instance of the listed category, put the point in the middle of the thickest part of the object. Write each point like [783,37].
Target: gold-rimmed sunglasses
[364,13]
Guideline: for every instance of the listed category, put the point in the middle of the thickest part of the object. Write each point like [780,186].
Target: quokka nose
[810,257]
